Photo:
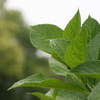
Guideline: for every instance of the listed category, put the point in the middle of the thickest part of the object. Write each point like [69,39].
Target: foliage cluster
[75,54]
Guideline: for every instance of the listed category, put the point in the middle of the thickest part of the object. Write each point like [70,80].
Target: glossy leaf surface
[36,81]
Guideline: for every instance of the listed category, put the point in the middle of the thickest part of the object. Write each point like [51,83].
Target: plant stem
[88,87]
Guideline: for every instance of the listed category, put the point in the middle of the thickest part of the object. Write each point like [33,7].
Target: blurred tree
[11,53]
[17,56]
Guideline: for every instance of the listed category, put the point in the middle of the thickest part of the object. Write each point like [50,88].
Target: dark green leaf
[95,94]
[57,67]
[71,95]
[72,78]
[93,48]
[73,28]
[90,69]
[92,81]
[40,35]
[76,51]
[92,27]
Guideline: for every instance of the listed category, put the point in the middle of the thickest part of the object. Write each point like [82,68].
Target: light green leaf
[42,96]
[95,94]
[39,80]
[36,78]
[71,95]
[92,27]
[90,69]
[40,35]
[93,48]
[76,51]
[52,93]
[73,28]
[59,46]
[57,67]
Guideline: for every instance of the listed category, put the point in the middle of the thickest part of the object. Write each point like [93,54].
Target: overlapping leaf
[73,27]
[52,93]
[95,94]
[55,56]
[90,69]
[40,35]
[93,48]
[59,46]
[92,27]
[42,96]
[76,51]
[71,95]
[57,67]
[72,78]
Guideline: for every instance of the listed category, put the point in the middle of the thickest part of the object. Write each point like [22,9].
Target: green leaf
[52,93]
[72,78]
[36,78]
[55,56]
[57,67]
[76,51]
[93,48]
[95,94]
[40,35]
[42,96]
[99,54]
[92,81]
[90,69]
[71,95]
[92,27]
[36,81]
[59,46]
[73,28]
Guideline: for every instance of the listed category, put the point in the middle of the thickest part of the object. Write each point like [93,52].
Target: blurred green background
[17,56]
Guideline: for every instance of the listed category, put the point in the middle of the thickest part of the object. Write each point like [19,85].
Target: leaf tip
[78,10]
[9,88]
[89,16]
